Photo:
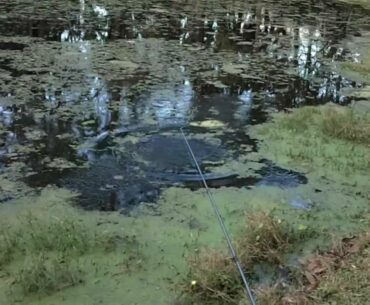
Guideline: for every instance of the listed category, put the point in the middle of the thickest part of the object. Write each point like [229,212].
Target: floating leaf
[208,124]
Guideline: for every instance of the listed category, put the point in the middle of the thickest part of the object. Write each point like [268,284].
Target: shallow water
[72,71]
[93,94]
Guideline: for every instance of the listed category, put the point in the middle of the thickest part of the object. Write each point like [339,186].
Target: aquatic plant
[54,234]
[42,252]
[46,274]
[213,278]
[330,139]
[263,239]
[7,245]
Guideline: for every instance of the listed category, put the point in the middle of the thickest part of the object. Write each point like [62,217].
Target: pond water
[90,80]
[94,94]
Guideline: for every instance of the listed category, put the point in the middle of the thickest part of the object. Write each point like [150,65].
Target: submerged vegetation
[44,251]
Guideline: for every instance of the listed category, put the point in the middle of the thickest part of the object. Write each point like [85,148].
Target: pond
[93,94]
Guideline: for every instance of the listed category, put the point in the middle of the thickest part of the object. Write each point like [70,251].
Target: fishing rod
[221,222]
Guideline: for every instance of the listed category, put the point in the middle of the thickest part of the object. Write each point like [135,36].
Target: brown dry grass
[340,276]
[213,278]
[263,239]
[346,124]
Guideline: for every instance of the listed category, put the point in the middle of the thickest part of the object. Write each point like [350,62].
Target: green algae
[163,242]
[337,166]
[119,278]
[363,3]
[304,140]
[181,224]
[359,69]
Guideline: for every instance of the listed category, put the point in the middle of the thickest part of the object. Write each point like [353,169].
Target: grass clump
[263,239]
[213,278]
[338,122]
[346,124]
[339,276]
[44,274]
[7,246]
[55,234]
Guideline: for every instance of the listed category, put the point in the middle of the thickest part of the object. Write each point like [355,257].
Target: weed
[56,234]
[212,279]
[330,139]
[54,245]
[7,245]
[44,274]
[263,239]
[346,124]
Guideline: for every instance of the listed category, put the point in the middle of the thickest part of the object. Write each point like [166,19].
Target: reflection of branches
[73,34]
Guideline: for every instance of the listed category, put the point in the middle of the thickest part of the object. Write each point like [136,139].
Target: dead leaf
[312,280]
[317,265]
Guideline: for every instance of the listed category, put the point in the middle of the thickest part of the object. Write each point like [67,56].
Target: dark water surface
[111,82]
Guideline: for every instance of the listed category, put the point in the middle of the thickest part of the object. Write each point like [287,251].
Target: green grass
[45,274]
[34,234]
[42,251]
[55,234]
[7,245]
[329,139]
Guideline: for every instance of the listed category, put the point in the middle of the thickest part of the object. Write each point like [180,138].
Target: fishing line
[232,250]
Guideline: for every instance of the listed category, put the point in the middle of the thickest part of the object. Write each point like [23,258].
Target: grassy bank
[329,141]
[337,276]
[331,144]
